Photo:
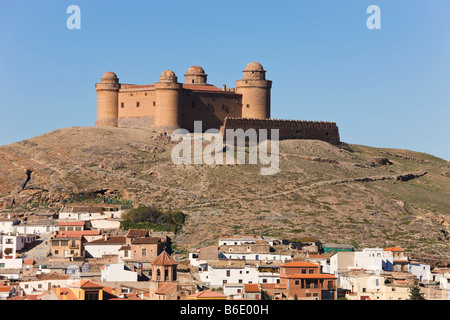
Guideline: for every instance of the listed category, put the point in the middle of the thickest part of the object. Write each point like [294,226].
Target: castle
[168,105]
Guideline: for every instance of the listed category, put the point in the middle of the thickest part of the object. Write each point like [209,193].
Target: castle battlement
[168,104]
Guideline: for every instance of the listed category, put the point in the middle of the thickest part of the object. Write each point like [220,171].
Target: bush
[153,218]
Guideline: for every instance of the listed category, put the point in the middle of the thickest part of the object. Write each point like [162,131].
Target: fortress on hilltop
[167,105]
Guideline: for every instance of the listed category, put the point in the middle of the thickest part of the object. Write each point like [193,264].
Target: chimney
[224,87]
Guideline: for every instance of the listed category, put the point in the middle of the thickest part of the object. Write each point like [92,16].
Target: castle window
[137,104]
[122,105]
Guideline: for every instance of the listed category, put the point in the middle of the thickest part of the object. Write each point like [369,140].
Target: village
[83,253]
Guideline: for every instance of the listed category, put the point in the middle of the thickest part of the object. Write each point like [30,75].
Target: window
[144,252]
[125,253]
[240,280]
[303,271]
[248,106]
[26,286]
[228,273]
[122,105]
[154,103]
[56,252]
[311,271]
[71,252]
[40,285]
[264,281]
[137,104]
[2,265]
[297,282]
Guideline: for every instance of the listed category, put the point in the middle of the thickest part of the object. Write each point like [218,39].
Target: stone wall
[289,129]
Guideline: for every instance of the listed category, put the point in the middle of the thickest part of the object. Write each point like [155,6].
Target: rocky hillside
[365,197]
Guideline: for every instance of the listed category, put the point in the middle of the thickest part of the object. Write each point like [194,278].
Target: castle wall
[210,107]
[132,114]
[289,129]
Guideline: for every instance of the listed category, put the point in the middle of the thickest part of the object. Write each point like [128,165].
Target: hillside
[320,190]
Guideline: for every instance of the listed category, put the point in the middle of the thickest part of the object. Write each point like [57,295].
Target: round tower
[255,90]
[168,102]
[107,100]
[195,75]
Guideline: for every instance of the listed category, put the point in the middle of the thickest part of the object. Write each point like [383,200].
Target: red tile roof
[207,295]
[198,87]
[300,264]
[29,261]
[394,249]
[251,287]
[165,288]
[76,234]
[164,259]
[6,288]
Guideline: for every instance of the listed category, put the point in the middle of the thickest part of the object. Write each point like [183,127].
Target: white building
[117,272]
[107,245]
[7,292]
[255,256]
[218,273]
[11,243]
[11,263]
[36,227]
[421,271]
[44,282]
[375,259]
[240,240]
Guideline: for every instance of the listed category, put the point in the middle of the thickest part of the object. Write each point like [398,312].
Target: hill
[365,197]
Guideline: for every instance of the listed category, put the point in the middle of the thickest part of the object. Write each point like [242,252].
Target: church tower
[107,100]
[255,90]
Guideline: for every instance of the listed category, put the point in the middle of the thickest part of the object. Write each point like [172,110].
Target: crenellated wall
[289,129]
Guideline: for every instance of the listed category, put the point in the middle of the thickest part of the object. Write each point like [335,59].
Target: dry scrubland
[320,191]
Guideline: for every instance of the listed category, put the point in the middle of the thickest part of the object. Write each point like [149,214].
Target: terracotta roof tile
[164,259]
[251,287]
[394,249]
[300,264]
[309,276]
[207,295]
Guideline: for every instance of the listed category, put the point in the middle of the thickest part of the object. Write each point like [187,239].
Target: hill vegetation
[367,197]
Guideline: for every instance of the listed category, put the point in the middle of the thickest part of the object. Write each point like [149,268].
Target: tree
[414,292]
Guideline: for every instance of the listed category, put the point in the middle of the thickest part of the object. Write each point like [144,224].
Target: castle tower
[255,90]
[168,102]
[195,75]
[107,100]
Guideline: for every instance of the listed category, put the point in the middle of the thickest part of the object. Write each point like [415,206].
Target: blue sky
[383,88]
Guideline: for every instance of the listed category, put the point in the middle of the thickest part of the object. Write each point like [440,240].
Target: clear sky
[383,88]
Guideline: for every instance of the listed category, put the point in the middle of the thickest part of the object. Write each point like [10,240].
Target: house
[370,285]
[203,255]
[259,250]
[43,282]
[107,245]
[7,225]
[145,248]
[252,291]
[71,243]
[8,291]
[304,281]
[421,271]
[71,226]
[78,290]
[80,212]
[234,291]
[27,267]
[13,242]
[36,227]
[117,272]
[220,272]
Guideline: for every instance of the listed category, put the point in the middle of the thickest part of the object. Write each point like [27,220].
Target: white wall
[97,251]
[117,272]
[11,263]
[420,271]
